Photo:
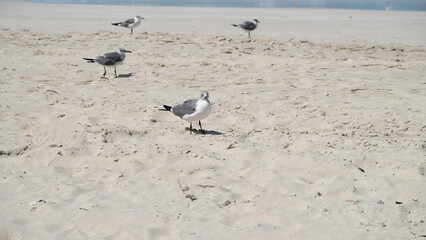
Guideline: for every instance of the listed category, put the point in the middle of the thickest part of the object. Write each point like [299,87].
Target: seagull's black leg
[249,34]
[131,30]
[115,71]
[201,128]
[190,127]
[105,71]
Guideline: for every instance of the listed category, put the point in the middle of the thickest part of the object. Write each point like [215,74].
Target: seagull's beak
[128,51]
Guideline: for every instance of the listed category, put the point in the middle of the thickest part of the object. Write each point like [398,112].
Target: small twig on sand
[180,186]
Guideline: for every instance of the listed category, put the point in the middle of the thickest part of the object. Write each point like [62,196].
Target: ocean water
[393,5]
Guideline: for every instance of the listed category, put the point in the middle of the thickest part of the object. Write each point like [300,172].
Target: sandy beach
[318,128]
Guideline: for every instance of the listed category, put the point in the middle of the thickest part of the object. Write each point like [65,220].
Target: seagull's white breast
[137,23]
[202,111]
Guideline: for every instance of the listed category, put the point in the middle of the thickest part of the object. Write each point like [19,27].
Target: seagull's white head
[139,17]
[123,51]
[204,95]
[256,21]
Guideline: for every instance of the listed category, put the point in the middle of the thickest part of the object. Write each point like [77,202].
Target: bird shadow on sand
[206,132]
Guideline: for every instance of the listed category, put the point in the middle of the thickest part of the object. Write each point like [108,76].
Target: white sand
[318,129]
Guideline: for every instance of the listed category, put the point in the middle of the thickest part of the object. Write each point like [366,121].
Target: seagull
[130,23]
[192,110]
[112,59]
[248,26]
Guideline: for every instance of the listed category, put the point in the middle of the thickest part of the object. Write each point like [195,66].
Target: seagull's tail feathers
[89,60]
[166,108]
[116,24]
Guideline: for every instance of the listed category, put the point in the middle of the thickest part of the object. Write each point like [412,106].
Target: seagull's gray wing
[248,25]
[187,107]
[128,22]
[109,58]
